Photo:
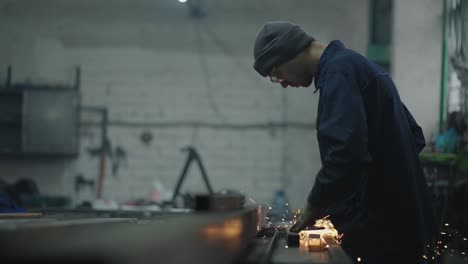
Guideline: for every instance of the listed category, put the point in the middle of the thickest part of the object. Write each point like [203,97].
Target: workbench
[165,237]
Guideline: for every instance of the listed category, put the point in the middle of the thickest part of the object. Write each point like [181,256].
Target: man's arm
[342,136]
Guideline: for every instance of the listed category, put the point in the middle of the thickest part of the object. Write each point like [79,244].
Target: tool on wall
[118,156]
[81,181]
[104,149]
[146,137]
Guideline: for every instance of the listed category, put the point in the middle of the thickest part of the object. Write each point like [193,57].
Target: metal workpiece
[332,253]
[182,238]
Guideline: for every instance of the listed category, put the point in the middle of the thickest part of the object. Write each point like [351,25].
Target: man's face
[291,74]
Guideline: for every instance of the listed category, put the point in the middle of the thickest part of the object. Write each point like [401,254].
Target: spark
[269,207]
[424,256]
[286,204]
[359,259]
[327,246]
[286,246]
[443,233]
[463,253]
[446,224]
[464,238]
[252,201]
[267,218]
[445,246]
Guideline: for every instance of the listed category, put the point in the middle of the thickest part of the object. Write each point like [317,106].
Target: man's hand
[306,218]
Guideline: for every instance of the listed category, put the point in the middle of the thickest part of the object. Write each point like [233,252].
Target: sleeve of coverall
[342,137]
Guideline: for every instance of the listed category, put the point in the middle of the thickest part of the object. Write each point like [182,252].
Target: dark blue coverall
[371,182]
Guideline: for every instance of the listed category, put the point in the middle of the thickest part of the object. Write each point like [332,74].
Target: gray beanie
[276,43]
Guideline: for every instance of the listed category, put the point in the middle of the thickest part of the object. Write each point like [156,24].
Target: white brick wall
[417,49]
[139,59]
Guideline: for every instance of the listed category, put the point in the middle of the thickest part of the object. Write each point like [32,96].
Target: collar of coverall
[329,51]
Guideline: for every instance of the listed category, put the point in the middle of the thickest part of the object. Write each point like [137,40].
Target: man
[371,182]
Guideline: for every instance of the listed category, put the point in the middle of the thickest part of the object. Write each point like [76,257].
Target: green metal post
[443,75]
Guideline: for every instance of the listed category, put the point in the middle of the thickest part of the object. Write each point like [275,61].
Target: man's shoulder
[351,64]
[346,58]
